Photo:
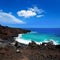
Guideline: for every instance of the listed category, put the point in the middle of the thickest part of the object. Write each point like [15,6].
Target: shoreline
[10,49]
[24,41]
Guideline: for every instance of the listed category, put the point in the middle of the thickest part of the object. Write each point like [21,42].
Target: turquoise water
[41,37]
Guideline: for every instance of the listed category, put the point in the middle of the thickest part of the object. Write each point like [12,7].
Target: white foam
[55,42]
[21,40]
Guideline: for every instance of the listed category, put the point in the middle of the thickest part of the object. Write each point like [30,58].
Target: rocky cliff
[19,51]
[8,33]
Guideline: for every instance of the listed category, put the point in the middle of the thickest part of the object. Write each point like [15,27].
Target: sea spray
[21,40]
[25,41]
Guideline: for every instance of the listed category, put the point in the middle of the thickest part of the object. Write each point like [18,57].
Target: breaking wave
[21,40]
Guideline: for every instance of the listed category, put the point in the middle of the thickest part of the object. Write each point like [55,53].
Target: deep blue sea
[42,35]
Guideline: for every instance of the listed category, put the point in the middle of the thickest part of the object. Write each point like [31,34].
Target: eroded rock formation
[18,51]
[8,33]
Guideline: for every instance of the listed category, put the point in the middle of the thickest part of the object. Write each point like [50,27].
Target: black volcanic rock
[8,33]
[30,52]
[19,51]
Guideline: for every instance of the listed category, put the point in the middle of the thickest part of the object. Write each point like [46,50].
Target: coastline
[16,48]
[21,40]
[24,41]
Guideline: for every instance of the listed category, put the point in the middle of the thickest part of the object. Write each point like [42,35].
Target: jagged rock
[8,33]
[18,51]
[50,43]
[32,44]
[32,53]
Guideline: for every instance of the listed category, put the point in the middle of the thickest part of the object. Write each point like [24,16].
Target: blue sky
[30,13]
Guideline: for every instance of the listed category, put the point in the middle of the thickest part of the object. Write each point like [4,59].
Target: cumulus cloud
[37,10]
[26,13]
[30,12]
[9,18]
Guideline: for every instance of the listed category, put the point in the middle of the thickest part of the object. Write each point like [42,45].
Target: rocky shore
[8,33]
[13,50]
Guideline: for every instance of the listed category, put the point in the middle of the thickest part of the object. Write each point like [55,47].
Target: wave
[55,42]
[21,40]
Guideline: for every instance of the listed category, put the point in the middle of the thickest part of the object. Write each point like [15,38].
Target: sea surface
[40,35]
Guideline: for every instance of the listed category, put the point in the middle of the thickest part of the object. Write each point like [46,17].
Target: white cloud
[9,18]
[37,10]
[30,12]
[26,13]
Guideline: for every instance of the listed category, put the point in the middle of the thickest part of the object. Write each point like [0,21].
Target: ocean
[40,35]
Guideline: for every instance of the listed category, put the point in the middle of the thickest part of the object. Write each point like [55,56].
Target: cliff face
[8,33]
[19,51]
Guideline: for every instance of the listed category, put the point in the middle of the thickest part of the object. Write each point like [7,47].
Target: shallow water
[42,35]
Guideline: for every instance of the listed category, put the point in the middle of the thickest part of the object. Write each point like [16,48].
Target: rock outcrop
[8,33]
[18,51]
[32,51]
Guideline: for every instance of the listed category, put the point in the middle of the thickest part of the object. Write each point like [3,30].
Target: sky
[30,13]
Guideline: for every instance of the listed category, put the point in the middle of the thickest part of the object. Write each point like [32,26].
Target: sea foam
[21,40]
